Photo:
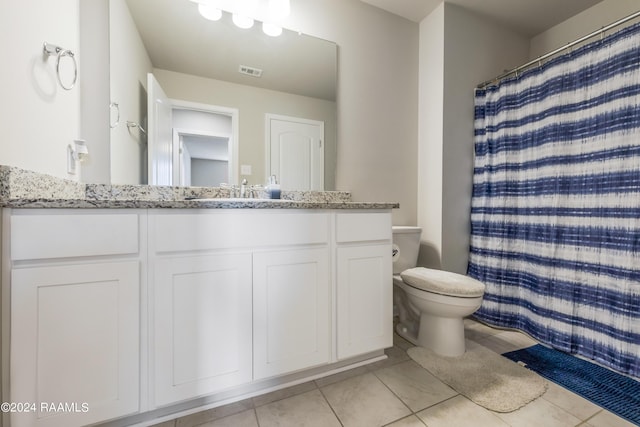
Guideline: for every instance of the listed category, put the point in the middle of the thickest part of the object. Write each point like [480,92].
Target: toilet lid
[442,282]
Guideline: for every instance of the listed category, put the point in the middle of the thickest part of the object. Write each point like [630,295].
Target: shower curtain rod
[567,46]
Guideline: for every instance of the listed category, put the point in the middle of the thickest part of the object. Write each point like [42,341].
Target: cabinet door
[201,325]
[75,342]
[291,310]
[364,299]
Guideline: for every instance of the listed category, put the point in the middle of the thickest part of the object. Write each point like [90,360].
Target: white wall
[377,98]
[592,19]
[209,173]
[129,67]
[38,118]
[474,49]
[430,131]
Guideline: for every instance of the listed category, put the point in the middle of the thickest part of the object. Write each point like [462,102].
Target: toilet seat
[442,282]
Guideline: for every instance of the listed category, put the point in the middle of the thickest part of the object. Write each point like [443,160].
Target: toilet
[431,304]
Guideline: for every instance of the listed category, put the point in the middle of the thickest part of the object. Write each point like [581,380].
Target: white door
[364,299]
[75,339]
[290,311]
[160,137]
[202,325]
[295,152]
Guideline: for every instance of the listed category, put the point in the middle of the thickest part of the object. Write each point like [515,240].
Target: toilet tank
[406,244]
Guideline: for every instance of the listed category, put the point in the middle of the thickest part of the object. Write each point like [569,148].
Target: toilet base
[433,321]
[442,335]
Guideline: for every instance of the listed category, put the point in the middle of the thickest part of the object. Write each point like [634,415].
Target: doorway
[203,158]
[186,137]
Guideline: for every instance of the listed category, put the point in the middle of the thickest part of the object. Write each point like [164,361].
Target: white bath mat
[484,377]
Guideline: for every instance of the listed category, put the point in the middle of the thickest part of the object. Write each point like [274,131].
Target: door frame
[267,139]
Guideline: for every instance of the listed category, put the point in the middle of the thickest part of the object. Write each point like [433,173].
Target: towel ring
[60,53]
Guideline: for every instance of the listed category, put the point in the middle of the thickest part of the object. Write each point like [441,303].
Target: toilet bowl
[438,318]
[431,304]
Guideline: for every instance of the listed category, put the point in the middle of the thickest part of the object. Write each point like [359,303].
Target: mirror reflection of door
[295,148]
[159,140]
[190,144]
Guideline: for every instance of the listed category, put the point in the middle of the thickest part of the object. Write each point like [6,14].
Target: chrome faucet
[243,188]
[233,189]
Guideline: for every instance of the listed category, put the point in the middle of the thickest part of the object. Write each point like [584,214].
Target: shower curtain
[555,212]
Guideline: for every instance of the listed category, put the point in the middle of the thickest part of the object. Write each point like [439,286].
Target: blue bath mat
[608,389]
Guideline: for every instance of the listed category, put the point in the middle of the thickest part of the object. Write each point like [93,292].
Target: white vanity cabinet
[364,283]
[237,296]
[291,308]
[116,312]
[74,287]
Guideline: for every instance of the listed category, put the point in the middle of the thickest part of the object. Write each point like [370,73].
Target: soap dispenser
[273,188]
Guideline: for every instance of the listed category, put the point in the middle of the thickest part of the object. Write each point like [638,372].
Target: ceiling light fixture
[209,11]
[272,30]
[244,12]
[242,21]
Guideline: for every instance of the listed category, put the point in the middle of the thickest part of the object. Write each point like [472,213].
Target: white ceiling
[527,17]
[207,147]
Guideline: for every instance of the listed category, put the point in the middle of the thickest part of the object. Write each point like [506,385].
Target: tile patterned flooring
[397,392]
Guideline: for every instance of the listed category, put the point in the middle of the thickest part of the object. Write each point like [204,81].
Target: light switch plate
[245,169]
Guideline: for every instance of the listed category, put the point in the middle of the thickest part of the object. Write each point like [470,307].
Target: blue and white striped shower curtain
[555,213]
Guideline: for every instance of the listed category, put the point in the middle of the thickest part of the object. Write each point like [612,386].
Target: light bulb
[242,21]
[209,12]
[271,29]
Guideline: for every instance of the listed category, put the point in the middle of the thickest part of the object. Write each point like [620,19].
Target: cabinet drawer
[358,227]
[195,230]
[69,234]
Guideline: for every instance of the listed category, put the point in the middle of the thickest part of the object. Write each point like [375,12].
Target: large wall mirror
[219,85]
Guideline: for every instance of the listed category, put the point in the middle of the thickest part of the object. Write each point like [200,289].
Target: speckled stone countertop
[21,188]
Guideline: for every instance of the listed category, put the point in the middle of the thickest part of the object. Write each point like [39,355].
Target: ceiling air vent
[250,71]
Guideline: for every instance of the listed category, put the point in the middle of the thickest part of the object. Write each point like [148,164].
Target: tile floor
[397,392]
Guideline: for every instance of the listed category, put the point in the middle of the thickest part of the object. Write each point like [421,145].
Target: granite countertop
[21,188]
